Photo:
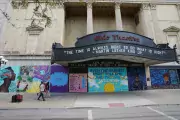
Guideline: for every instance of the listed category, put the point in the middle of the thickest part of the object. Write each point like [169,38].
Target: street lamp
[3,60]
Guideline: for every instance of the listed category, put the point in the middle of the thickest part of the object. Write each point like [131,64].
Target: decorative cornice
[172,29]
[153,6]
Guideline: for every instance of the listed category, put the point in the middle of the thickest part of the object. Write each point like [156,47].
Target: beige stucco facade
[75,18]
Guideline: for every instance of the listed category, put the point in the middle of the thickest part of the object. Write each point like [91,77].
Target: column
[148,79]
[158,32]
[118,17]
[62,23]
[89,18]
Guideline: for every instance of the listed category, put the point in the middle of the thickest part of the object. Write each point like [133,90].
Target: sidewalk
[102,100]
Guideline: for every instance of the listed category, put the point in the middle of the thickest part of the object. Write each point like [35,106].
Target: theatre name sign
[114,43]
[115,37]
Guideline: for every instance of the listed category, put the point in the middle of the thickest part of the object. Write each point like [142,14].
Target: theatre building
[106,46]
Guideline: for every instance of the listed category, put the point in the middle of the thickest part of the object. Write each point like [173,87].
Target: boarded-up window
[173,39]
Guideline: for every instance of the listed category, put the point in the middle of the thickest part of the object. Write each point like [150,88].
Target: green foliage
[30,79]
[19,78]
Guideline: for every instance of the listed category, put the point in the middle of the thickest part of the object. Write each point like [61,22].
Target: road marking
[90,117]
[161,113]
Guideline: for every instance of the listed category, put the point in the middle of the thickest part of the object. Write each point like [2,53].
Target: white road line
[161,113]
[90,117]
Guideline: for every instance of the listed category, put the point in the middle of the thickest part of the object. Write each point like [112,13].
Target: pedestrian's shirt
[42,87]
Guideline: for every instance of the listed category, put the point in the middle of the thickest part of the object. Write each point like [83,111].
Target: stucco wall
[16,39]
[4,4]
[75,27]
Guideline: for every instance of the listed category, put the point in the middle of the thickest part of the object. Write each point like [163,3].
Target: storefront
[110,61]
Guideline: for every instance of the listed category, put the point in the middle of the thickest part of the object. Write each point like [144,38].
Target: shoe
[44,100]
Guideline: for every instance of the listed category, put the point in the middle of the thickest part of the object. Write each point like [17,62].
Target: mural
[59,79]
[77,82]
[136,78]
[107,79]
[25,79]
[164,78]
[8,78]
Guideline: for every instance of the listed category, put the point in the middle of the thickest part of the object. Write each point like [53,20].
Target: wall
[75,27]
[4,5]
[16,39]
[129,24]
[103,23]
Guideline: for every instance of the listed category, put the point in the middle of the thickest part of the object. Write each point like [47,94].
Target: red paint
[116,105]
[116,37]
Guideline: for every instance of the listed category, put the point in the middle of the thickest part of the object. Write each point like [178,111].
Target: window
[172,40]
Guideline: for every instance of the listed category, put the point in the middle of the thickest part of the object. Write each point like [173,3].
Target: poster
[59,79]
[78,82]
[136,78]
[111,79]
[9,78]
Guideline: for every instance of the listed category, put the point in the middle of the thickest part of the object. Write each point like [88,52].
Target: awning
[119,45]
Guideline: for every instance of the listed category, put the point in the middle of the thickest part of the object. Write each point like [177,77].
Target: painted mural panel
[59,79]
[25,79]
[136,78]
[9,78]
[173,75]
[107,79]
[164,78]
[78,82]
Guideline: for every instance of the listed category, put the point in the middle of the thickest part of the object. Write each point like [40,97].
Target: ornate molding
[153,6]
[61,4]
[34,29]
[178,6]
[172,29]
[145,6]
[117,5]
[89,5]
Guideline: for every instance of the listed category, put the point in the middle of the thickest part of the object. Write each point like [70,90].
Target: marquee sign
[104,49]
[114,37]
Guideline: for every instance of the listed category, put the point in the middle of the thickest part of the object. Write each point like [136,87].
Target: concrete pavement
[98,100]
[124,113]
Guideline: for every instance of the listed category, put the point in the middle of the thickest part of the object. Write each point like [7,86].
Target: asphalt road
[162,112]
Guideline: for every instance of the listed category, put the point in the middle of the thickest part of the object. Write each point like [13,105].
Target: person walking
[42,89]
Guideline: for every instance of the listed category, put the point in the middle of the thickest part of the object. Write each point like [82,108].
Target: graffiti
[78,83]
[8,79]
[107,79]
[59,79]
[136,78]
[42,73]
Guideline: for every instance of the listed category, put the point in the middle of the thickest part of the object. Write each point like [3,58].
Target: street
[136,105]
[170,112]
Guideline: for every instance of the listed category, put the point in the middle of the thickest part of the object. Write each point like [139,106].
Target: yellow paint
[34,88]
[109,87]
